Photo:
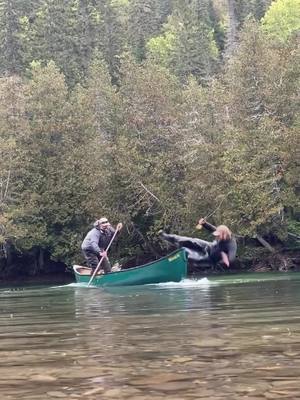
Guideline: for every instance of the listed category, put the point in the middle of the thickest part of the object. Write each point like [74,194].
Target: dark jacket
[217,246]
[96,239]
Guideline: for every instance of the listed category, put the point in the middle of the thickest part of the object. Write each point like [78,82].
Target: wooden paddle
[118,228]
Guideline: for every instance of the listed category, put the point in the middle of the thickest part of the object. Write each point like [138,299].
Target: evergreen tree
[11,52]
[256,129]
[248,98]
[217,20]
[13,124]
[97,116]
[89,27]
[112,35]
[150,148]
[161,49]
[203,123]
[48,201]
[187,45]
[195,49]
[143,23]
[54,37]
[251,8]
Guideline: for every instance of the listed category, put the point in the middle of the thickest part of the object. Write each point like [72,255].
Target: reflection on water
[219,338]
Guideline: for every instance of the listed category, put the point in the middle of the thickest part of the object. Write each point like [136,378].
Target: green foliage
[146,143]
[54,36]
[255,154]
[162,47]
[246,9]
[143,22]
[11,52]
[48,188]
[12,122]
[195,49]
[282,19]
[112,35]
[156,136]
[187,45]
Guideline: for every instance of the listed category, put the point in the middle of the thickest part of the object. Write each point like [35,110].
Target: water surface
[231,337]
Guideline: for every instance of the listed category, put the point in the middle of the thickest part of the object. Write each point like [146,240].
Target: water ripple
[217,338]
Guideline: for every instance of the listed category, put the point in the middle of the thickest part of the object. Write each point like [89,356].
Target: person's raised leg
[188,242]
[174,239]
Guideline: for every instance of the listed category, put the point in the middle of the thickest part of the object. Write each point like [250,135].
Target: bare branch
[148,191]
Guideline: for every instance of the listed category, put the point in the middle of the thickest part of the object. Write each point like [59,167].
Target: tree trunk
[7,253]
[41,259]
[38,254]
[265,244]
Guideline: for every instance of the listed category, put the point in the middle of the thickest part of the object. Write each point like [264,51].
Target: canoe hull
[172,268]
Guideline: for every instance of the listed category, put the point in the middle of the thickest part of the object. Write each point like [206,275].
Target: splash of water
[73,284]
[187,283]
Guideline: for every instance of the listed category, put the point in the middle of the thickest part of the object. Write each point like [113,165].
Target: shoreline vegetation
[26,268]
[154,113]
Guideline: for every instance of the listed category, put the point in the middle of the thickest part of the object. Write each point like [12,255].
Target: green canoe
[172,268]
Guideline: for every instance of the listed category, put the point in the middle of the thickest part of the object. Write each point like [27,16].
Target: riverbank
[60,273]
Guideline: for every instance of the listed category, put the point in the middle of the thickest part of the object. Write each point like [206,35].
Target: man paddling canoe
[222,249]
[96,241]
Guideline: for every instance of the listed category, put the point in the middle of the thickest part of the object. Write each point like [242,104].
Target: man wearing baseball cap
[96,241]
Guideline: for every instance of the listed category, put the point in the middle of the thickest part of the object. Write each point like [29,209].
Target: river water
[235,337]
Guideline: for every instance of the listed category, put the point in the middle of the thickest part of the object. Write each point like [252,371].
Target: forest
[150,112]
